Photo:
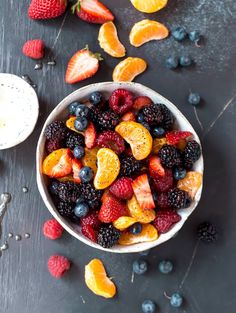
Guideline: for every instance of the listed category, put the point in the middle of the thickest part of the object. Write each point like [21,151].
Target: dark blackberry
[207,232]
[191,154]
[170,156]
[129,165]
[107,120]
[53,144]
[66,209]
[178,199]
[53,187]
[69,192]
[168,117]
[152,114]
[73,139]
[91,195]
[108,236]
[56,129]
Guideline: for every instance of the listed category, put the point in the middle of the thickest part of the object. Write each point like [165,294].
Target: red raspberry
[162,201]
[91,220]
[52,229]
[112,209]
[89,233]
[174,137]
[141,102]
[112,140]
[164,183]
[58,265]
[122,188]
[53,144]
[121,101]
[34,49]
[165,219]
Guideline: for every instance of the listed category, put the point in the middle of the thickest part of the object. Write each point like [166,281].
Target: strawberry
[34,49]
[89,232]
[164,183]
[92,11]
[143,192]
[90,136]
[155,167]
[165,219]
[82,65]
[45,9]
[76,167]
[128,117]
[111,209]
[141,102]
[174,137]
[122,188]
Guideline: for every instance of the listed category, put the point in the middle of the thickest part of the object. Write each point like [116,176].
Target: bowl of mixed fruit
[119,166]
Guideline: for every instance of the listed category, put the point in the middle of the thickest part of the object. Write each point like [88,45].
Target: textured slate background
[26,286]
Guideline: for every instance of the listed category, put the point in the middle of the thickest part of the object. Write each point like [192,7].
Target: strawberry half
[89,232]
[122,188]
[82,65]
[90,136]
[45,9]
[155,167]
[92,11]
[128,117]
[141,102]
[174,137]
[76,167]
[111,209]
[143,192]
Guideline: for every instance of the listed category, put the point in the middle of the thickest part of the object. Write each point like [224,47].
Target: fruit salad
[120,169]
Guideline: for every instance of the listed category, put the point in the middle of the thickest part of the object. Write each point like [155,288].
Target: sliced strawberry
[112,209]
[174,137]
[92,11]
[90,136]
[165,219]
[89,232]
[76,167]
[143,192]
[155,167]
[122,188]
[128,117]
[141,102]
[82,65]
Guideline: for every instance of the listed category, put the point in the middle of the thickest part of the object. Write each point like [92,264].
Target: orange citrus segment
[108,168]
[66,178]
[90,158]
[158,143]
[97,281]
[148,233]
[191,183]
[149,6]
[128,69]
[144,216]
[145,31]
[138,137]
[124,222]
[109,41]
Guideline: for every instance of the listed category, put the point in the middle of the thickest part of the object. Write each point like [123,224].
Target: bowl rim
[48,201]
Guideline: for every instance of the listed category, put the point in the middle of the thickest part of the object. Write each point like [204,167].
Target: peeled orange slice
[109,41]
[149,6]
[108,168]
[158,143]
[138,137]
[191,183]
[128,69]
[147,30]
[97,281]
[90,158]
[144,216]
[148,233]
[124,222]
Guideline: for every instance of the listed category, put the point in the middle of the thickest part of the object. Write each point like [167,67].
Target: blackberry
[106,120]
[66,209]
[207,232]
[91,195]
[129,165]
[191,154]
[56,129]
[53,187]
[68,192]
[170,156]
[152,114]
[73,139]
[108,236]
[168,117]
[53,144]
[178,199]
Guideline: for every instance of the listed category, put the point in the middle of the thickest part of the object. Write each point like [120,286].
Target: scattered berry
[91,219]
[108,236]
[169,156]
[158,132]
[81,209]
[194,98]
[179,173]
[34,49]
[56,129]
[191,154]
[72,107]
[179,33]
[135,229]
[112,140]
[194,36]
[52,229]
[96,98]
[148,306]
[172,62]
[86,174]
[174,137]
[78,152]
[121,101]
[46,9]
[152,114]
[58,265]
[165,267]
[111,210]
[207,232]
[164,183]
[185,60]
[81,123]
[165,219]
[89,232]
[122,188]
[140,267]
[73,140]
[178,199]
[82,110]
[176,300]
[141,102]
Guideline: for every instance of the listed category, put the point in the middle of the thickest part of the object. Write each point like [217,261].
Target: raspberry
[34,49]
[122,188]
[178,199]
[165,219]
[111,210]
[207,232]
[129,165]
[191,154]
[162,201]
[112,140]
[108,236]
[170,156]
[56,129]
[174,137]
[164,183]
[73,139]
[91,195]
[52,229]
[58,265]
[152,114]
[68,192]
[168,117]
[53,144]
[91,220]
[121,101]
[89,232]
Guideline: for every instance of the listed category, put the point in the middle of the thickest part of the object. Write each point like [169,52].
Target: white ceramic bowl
[60,113]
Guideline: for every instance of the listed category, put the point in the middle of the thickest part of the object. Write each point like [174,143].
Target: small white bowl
[19,110]
[60,113]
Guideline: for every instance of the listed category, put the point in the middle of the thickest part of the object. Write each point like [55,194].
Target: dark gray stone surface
[25,285]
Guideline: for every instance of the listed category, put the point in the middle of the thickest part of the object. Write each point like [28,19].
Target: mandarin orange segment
[147,30]
[158,143]
[128,69]
[149,6]
[97,281]
[148,233]
[191,183]
[90,158]
[109,41]
[66,178]
[138,137]
[144,216]
[108,168]
[124,222]
[181,144]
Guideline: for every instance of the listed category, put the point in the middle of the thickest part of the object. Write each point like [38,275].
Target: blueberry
[135,229]
[172,62]
[194,98]
[53,188]
[165,267]
[176,300]
[148,306]
[82,110]
[95,97]
[72,107]
[194,36]
[86,174]
[78,152]
[185,60]
[81,209]
[179,173]
[145,252]
[81,123]
[146,125]
[140,267]
[179,33]
[158,132]
[140,118]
